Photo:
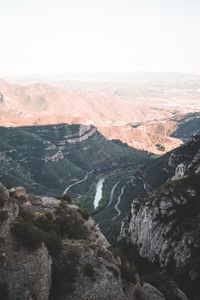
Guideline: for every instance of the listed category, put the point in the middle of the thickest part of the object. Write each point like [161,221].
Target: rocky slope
[47,159]
[164,226]
[138,183]
[51,249]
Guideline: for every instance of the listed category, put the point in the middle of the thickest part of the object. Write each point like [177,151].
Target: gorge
[143,193]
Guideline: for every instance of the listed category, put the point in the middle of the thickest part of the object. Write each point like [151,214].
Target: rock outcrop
[165,225]
[50,249]
[24,274]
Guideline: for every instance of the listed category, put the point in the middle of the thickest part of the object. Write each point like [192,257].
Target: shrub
[89,270]
[128,271]
[84,213]
[160,147]
[72,226]
[4,291]
[46,223]
[53,243]
[164,284]
[67,198]
[49,215]
[29,235]
[74,255]
[3,215]
[50,233]
[63,278]
[2,202]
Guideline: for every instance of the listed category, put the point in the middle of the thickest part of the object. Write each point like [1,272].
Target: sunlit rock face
[146,116]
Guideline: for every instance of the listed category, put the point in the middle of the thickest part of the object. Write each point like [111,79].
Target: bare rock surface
[164,226]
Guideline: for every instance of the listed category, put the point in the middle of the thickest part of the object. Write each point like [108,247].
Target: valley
[62,137]
[125,154]
[62,159]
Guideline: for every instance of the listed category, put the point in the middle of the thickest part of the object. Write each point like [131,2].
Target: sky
[63,36]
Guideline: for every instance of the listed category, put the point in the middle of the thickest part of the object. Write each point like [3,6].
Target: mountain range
[141,114]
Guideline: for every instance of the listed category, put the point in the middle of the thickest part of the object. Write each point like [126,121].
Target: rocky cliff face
[142,180]
[165,225]
[51,249]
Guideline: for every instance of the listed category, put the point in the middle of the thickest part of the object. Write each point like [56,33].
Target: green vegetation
[154,156]
[127,255]
[29,235]
[4,291]
[109,182]
[196,235]
[128,271]
[3,215]
[84,213]
[87,200]
[46,223]
[65,271]
[53,243]
[160,147]
[63,278]
[32,231]
[67,198]
[72,226]
[164,284]
[89,270]
[150,273]
[2,202]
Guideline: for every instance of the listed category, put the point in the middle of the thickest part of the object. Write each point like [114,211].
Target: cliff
[164,225]
[52,249]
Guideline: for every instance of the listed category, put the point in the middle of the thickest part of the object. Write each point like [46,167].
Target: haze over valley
[143,113]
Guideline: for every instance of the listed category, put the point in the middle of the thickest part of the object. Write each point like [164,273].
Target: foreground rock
[50,249]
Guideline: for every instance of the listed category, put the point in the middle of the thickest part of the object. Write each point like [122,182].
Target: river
[98,194]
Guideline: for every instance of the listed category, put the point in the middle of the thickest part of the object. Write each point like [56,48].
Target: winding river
[98,194]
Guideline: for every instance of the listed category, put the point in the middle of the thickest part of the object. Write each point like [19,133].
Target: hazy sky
[60,36]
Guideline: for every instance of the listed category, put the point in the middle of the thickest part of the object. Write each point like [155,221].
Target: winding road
[112,193]
[118,202]
[75,183]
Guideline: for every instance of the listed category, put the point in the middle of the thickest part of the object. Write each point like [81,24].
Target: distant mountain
[112,76]
[143,115]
